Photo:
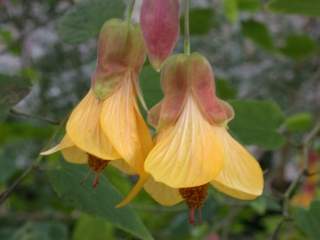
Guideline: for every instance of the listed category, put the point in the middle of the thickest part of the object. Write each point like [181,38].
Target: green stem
[130,10]
[186,27]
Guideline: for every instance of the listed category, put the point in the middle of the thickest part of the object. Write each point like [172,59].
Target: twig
[28,115]
[295,184]
[5,194]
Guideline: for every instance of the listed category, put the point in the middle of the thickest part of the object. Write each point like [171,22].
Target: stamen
[97,165]
[194,197]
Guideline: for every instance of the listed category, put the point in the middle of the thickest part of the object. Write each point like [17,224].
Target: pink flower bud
[160,26]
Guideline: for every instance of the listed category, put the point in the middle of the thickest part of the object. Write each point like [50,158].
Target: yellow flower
[193,147]
[106,126]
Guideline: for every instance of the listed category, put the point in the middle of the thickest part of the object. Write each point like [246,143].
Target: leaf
[231,10]
[201,21]
[258,33]
[150,85]
[225,90]
[308,220]
[249,5]
[85,19]
[303,7]
[12,90]
[299,122]
[88,227]
[257,122]
[100,201]
[15,131]
[299,47]
[41,231]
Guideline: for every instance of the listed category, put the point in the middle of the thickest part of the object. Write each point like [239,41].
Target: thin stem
[5,194]
[17,112]
[307,142]
[186,27]
[130,10]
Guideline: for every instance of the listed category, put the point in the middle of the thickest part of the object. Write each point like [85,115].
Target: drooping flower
[193,147]
[106,126]
[160,26]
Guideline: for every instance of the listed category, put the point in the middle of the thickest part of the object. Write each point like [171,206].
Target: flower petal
[125,127]
[241,176]
[85,132]
[187,154]
[123,166]
[162,193]
[69,151]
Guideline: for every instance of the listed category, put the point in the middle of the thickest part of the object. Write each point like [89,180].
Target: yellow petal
[124,126]
[187,154]
[85,132]
[134,191]
[162,193]
[241,176]
[123,166]
[69,151]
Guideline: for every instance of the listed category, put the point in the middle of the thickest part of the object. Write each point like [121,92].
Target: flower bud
[120,48]
[160,26]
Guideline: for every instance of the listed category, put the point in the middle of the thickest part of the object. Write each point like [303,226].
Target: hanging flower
[106,126]
[193,147]
[160,26]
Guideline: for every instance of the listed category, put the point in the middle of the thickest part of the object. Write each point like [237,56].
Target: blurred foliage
[265,56]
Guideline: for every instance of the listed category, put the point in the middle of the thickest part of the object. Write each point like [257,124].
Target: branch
[5,194]
[307,142]
[16,112]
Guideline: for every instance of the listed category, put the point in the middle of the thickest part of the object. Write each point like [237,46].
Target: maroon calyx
[195,197]
[97,165]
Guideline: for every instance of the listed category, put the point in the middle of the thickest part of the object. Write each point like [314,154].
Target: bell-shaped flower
[106,126]
[193,147]
[160,26]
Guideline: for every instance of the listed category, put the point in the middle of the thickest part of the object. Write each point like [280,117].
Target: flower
[106,126]
[160,26]
[193,147]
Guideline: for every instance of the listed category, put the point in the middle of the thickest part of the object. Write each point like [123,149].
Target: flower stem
[130,10]
[186,27]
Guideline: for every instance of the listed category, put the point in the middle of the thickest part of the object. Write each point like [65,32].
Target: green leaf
[41,231]
[259,205]
[225,90]
[231,10]
[299,47]
[12,90]
[299,122]
[303,7]
[14,131]
[257,122]
[308,220]
[150,86]
[249,5]
[100,201]
[258,33]
[88,227]
[201,21]
[86,18]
